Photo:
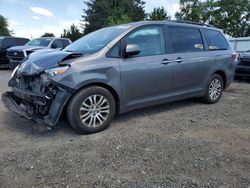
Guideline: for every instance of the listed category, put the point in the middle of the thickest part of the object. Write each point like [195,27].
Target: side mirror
[132,49]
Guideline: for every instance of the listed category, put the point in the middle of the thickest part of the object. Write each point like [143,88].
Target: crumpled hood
[20,48]
[34,65]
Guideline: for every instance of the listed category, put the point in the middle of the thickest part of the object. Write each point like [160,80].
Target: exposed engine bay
[35,95]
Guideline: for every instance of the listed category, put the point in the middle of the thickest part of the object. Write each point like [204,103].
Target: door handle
[179,60]
[165,61]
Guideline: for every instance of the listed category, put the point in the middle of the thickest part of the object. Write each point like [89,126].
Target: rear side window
[65,43]
[215,40]
[57,44]
[185,40]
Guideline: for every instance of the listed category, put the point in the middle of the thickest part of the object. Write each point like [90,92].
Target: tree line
[233,16]
[4,31]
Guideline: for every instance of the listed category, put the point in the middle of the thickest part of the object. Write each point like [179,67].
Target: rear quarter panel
[223,62]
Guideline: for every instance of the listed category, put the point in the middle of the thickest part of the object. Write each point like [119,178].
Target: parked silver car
[121,68]
[17,54]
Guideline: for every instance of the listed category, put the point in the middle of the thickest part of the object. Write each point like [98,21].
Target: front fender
[103,74]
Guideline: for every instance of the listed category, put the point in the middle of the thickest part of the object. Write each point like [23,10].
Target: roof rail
[190,22]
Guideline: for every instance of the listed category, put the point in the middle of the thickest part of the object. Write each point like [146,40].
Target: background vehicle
[122,68]
[7,42]
[18,53]
[242,47]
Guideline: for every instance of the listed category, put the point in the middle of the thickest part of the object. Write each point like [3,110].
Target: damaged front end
[35,95]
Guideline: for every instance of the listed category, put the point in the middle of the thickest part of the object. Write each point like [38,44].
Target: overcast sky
[32,18]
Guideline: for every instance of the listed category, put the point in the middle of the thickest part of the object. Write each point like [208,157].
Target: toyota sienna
[121,68]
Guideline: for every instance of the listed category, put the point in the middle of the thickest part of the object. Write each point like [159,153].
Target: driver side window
[149,39]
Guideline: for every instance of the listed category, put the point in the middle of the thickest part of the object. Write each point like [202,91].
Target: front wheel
[91,110]
[214,89]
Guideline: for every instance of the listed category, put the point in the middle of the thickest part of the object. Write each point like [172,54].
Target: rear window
[215,40]
[185,40]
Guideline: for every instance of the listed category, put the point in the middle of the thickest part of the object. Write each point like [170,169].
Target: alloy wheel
[215,89]
[94,111]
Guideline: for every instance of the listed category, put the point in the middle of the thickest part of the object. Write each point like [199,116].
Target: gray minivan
[121,68]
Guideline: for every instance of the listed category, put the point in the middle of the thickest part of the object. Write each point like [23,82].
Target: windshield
[95,41]
[39,42]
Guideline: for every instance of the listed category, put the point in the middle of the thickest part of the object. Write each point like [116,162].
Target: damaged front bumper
[36,98]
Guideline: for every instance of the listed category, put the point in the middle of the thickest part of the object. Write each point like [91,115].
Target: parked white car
[17,54]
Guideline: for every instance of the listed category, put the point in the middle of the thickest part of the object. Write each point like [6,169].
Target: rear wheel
[214,89]
[91,110]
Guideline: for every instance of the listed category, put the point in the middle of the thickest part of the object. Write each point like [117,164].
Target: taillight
[234,56]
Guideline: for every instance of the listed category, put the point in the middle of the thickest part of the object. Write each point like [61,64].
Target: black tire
[75,104]
[207,97]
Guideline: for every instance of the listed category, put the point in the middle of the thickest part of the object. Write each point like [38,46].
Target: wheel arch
[223,75]
[103,85]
